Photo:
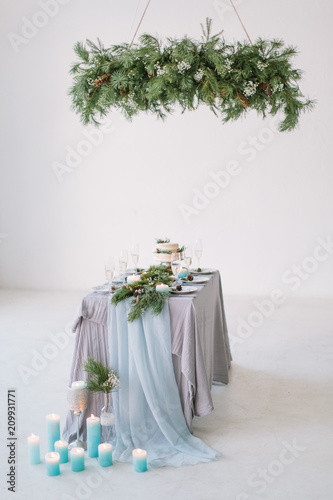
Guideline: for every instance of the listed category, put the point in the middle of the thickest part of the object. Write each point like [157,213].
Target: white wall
[56,235]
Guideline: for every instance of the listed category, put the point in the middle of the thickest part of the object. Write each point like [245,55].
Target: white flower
[277,88]
[159,71]
[250,89]
[198,75]
[112,381]
[227,64]
[130,101]
[262,65]
[182,67]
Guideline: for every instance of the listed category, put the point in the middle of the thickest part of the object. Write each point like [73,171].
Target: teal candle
[53,430]
[139,460]
[34,449]
[105,454]
[93,436]
[61,447]
[183,273]
[52,463]
[77,459]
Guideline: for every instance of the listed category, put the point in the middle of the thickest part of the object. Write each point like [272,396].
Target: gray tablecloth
[200,348]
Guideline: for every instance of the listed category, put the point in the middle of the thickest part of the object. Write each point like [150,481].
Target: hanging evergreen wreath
[228,78]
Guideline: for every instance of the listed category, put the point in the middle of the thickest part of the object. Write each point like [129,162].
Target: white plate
[205,270]
[187,290]
[197,279]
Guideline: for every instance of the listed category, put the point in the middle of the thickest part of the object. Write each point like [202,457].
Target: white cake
[164,250]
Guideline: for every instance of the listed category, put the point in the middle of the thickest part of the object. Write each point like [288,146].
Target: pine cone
[123,91]
[178,288]
[135,293]
[190,277]
[266,88]
[101,80]
[244,100]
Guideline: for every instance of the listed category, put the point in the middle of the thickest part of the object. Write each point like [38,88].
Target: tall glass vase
[108,428]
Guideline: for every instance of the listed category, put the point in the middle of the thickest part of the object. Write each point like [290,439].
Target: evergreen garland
[144,292]
[228,78]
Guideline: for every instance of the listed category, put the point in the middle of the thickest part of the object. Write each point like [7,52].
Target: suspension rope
[143,15]
[232,3]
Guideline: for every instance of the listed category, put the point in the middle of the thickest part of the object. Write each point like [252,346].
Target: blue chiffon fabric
[147,407]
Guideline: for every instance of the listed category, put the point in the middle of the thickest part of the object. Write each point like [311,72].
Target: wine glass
[123,259]
[135,254]
[176,264]
[188,256]
[109,271]
[198,251]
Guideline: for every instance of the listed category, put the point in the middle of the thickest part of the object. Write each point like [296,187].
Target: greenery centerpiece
[106,380]
[144,292]
[103,378]
[153,77]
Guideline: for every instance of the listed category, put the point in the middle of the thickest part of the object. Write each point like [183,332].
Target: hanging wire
[134,19]
[232,3]
[137,29]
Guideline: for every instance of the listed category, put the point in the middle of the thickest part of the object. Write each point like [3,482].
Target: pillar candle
[79,384]
[53,430]
[162,288]
[105,454]
[34,449]
[52,463]
[183,273]
[139,460]
[93,436]
[133,278]
[61,447]
[77,459]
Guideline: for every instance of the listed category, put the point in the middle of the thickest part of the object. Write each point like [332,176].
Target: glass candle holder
[77,400]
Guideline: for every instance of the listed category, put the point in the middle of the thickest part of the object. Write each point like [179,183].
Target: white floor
[272,423]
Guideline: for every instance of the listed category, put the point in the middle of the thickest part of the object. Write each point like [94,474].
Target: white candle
[34,449]
[52,461]
[162,288]
[61,447]
[105,454]
[139,460]
[133,278]
[79,384]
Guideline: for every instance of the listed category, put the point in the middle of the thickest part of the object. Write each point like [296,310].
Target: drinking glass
[109,271]
[135,254]
[176,264]
[123,259]
[198,250]
[188,256]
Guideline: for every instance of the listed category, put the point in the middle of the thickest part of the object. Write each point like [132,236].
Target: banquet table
[199,345]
